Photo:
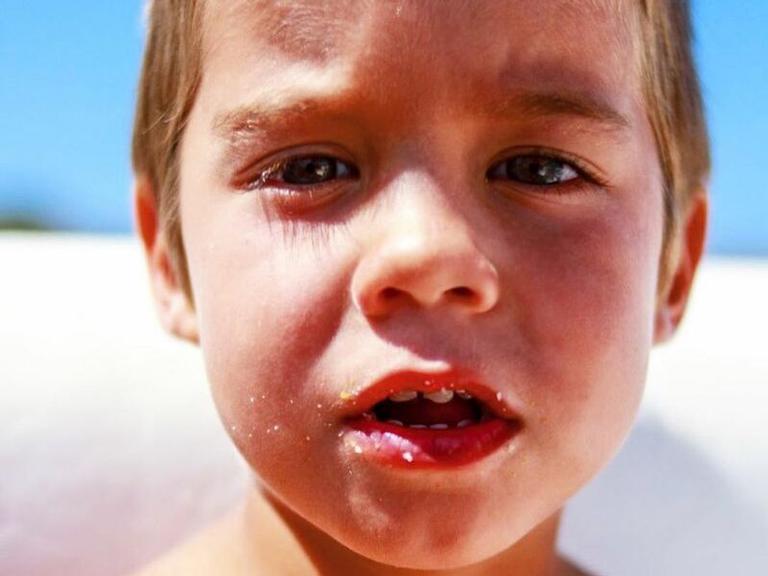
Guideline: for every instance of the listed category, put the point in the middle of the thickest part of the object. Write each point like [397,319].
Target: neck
[279,541]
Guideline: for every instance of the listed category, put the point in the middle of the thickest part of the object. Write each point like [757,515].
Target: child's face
[372,187]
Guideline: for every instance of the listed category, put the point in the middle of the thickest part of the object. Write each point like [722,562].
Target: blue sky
[68,73]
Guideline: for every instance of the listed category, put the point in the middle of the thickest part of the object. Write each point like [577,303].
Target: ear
[673,300]
[176,313]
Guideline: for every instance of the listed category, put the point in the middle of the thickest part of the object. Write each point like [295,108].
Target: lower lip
[425,448]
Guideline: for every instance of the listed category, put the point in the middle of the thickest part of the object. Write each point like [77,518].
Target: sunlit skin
[430,239]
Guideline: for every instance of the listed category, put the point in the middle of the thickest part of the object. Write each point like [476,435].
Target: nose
[425,257]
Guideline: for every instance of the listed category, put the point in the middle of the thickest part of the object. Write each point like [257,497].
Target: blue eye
[535,170]
[309,170]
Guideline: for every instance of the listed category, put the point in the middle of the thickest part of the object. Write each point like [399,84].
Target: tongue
[423,411]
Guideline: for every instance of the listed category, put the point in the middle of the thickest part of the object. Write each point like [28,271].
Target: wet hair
[172,71]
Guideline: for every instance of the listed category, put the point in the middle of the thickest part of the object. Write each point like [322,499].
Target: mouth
[420,420]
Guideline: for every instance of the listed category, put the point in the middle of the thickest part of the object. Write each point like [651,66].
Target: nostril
[391,294]
[462,292]
[469,298]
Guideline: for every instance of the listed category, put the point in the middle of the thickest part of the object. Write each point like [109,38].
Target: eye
[534,169]
[307,170]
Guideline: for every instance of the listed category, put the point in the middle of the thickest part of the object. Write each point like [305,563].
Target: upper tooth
[404,396]
[464,394]
[441,396]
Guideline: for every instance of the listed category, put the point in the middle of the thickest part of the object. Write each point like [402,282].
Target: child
[425,247]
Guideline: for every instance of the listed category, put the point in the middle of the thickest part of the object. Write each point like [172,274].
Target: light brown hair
[172,70]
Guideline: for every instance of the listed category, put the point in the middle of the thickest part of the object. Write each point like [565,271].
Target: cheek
[583,296]
[268,306]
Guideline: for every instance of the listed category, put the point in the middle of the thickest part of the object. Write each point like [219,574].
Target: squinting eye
[310,170]
[534,169]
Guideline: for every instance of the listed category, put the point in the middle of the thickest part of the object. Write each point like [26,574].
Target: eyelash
[539,170]
[338,170]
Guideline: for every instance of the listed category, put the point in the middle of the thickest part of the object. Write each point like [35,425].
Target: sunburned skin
[368,188]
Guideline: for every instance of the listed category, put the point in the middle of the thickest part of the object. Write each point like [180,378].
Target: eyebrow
[249,119]
[562,103]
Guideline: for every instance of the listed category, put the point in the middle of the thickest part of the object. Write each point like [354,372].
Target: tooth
[442,396]
[395,422]
[417,426]
[404,396]
[464,394]
[439,427]
[463,423]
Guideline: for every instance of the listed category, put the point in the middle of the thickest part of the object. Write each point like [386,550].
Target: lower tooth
[439,427]
[417,426]
[395,422]
[463,423]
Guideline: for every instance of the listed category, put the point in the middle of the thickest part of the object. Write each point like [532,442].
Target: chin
[459,556]
[426,547]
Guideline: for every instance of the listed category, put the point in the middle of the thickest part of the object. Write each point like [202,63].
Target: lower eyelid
[573,192]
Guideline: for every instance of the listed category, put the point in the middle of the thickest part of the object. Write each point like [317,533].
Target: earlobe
[176,313]
[673,300]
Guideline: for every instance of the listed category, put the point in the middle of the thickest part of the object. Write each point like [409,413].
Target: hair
[172,70]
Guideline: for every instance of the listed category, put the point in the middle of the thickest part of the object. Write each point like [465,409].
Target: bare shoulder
[211,551]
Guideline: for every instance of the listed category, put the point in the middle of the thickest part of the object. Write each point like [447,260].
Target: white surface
[110,449]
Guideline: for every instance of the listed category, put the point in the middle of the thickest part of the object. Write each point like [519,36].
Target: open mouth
[440,410]
[420,420]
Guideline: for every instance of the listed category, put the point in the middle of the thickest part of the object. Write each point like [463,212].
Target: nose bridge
[420,209]
[422,254]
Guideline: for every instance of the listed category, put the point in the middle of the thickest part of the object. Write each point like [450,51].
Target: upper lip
[455,379]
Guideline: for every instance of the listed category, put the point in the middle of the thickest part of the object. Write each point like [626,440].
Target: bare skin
[423,245]
[264,538]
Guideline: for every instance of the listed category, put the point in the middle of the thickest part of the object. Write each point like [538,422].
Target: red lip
[403,446]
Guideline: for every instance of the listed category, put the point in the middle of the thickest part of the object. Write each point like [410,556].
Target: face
[457,188]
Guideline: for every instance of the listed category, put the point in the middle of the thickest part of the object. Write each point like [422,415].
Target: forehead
[470,48]
[298,25]
[323,31]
